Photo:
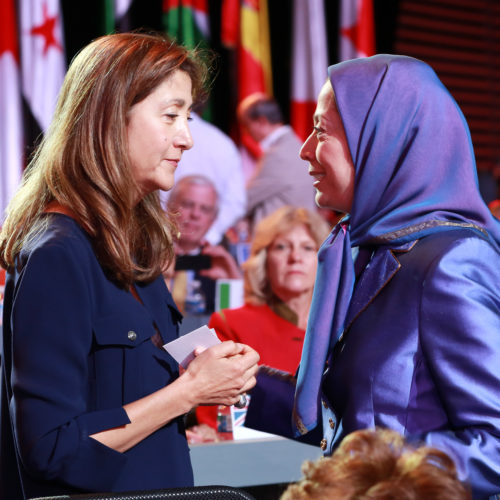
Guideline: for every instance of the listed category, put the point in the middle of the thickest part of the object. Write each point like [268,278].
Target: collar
[55,207]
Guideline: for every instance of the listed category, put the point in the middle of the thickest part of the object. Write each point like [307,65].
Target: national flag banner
[43,60]
[11,126]
[254,62]
[122,18]
[121,7]
[187,21]
[357,30]
[230,23]
[309,62]
[115,16]
[108,16]
[245,30]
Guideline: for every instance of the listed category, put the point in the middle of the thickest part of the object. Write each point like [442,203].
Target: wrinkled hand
[219,375]
[223,264]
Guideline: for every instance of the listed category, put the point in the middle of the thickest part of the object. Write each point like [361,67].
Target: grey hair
[189,180]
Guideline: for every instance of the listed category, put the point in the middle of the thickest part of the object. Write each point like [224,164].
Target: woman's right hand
[221,373]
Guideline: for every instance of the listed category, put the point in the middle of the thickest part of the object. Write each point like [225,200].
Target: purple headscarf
[415,175]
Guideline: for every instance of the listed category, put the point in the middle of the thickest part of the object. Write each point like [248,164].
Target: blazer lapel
[378,273]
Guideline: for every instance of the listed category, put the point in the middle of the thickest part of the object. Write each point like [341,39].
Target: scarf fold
[326,322]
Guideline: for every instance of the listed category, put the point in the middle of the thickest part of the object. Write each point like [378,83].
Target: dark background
[83,22]
[460,39]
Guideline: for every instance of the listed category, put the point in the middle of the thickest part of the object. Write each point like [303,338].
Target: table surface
[250,462]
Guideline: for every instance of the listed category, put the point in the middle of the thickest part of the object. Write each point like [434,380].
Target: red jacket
[277,340]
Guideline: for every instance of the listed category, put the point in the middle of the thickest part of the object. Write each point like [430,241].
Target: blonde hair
[379,465]
[256,286]
[82,162]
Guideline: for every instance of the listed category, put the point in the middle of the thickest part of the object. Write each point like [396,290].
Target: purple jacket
[421,353]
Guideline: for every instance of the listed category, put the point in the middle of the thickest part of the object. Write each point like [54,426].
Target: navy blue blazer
[76,348]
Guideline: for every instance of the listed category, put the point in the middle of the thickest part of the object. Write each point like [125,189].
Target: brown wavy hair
[379,465]
[82,162]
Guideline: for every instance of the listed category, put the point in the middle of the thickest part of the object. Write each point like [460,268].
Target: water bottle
[224,423]
[195,302]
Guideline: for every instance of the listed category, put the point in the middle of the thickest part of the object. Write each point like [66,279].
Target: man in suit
[281,177]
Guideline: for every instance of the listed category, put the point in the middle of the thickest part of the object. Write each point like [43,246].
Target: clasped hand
[219,375]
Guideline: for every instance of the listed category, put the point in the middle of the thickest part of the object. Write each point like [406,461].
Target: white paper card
[182,349]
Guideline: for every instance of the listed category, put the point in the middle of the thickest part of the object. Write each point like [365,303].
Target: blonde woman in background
[279,278]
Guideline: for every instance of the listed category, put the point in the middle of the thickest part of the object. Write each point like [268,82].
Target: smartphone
[193,262]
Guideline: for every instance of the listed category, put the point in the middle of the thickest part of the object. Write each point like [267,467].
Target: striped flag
[43,61]
[187,21]
[115,16]
[309,62]
[230,23]
[122,20]
[11,136]
[254,61]
[357,30]
[245,30]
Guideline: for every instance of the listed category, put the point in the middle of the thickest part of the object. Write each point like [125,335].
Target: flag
[123,21]
[254,61]
[11,136]
[357,31]
[43,63]
[187,21]
[309,63]
[245,31]
[121,8]
[108,16]
[230,23]
[115,16]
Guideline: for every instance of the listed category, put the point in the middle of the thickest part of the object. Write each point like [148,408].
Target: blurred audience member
[195,200]
[494,206]
[379,465]
[281,177]
[215,156]
[279,278]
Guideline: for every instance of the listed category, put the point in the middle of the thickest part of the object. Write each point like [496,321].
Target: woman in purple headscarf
[406,309]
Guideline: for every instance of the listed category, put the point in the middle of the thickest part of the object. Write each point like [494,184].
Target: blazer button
[332,424]
[131,335]
[322,445]
[324,403]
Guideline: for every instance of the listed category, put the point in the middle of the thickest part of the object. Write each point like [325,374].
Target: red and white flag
[42,56]
[309,63]
[357,30]
[11,135]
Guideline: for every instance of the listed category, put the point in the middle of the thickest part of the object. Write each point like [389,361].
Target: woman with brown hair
[90,400]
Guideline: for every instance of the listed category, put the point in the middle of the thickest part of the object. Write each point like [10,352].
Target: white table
[251,462]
